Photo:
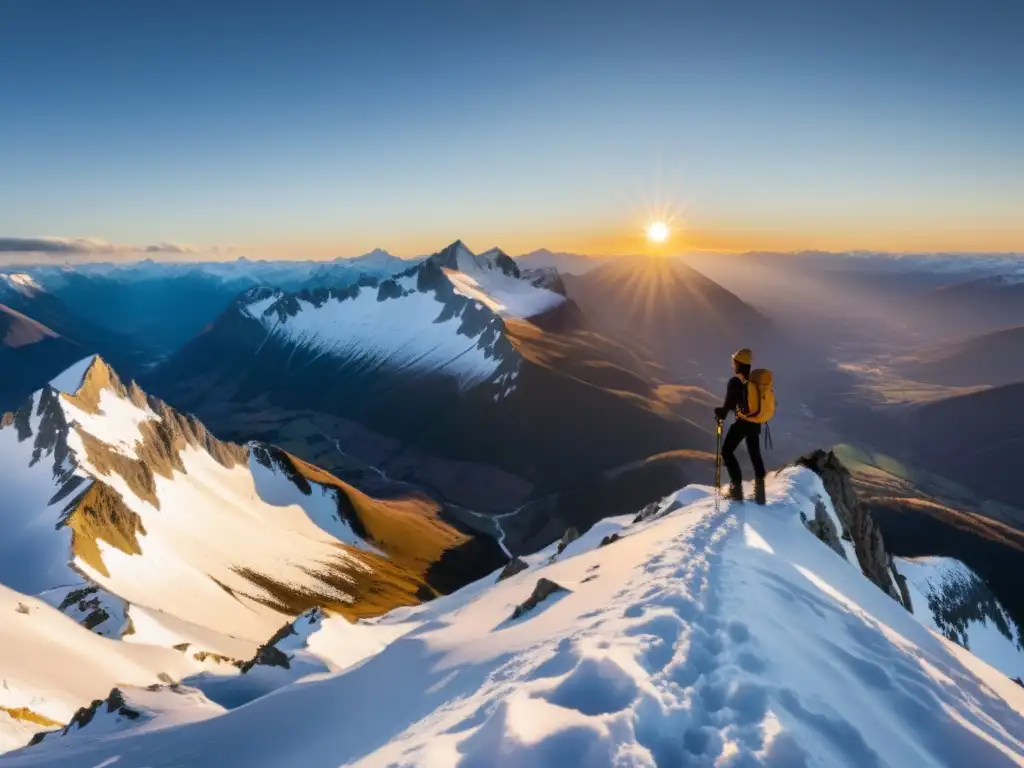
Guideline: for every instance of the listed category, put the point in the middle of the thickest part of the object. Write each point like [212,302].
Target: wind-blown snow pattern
[380,332]
[443,317]
[950,598]
[697,638]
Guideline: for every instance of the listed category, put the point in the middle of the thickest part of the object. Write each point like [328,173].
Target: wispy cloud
[170,248]
[67,247]
[55,245]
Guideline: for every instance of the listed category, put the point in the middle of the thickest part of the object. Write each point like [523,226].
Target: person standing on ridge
[749,394]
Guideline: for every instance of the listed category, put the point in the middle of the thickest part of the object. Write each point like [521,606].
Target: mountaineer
[750,395]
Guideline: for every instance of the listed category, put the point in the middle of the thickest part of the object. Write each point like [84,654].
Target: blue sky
[327,128]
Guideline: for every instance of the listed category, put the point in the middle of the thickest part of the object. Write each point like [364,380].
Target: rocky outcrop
[571,534]
[161,439]
[515,565]
[824,528]
[858,525]
[647,512]
[901,585]
[545,588]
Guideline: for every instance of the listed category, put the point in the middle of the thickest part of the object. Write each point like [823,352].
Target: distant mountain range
[566,263]
[418,375]
[136,314]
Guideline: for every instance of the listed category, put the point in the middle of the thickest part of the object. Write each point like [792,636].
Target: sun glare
[657,231]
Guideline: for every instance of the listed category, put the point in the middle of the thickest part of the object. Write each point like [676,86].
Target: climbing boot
[735,492]
[759,494]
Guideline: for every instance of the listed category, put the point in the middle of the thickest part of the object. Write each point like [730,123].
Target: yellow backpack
[760,397]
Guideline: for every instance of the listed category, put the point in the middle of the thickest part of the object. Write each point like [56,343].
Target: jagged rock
[823,527]
[115,703]
[515,565]
[609,540]
[544,589]
[858,525]
[570,535]
[1018,681]
[647,512]
[901,584]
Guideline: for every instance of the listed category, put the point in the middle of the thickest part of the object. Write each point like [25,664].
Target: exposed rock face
[544,589]
[647,512]
[823,527]
[857,522]
[901,584]
[515,565]
[289,638]
[609,540]
[570,535]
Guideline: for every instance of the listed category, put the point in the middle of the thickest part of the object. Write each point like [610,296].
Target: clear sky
[308,129]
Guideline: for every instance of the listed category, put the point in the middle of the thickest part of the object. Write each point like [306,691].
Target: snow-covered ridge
[443,316]
[184,540]
[693,637]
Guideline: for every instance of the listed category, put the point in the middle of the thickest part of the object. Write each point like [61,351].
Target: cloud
[170,248]
[56,245]
[87,246]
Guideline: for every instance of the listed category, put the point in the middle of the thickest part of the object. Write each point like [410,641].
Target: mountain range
[449,511]
[415,375]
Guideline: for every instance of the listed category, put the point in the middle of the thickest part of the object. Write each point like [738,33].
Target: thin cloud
[170,248]
[65,247]
[56,245]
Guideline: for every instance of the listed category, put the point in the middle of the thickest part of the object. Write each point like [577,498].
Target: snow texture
[210,526]
[699,638]
[51,665]
[140,709]
[478,277]
[950,598]
[402,333]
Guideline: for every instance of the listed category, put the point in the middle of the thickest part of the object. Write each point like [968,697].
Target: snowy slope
[210,544]
[950,598]
[130,707]
[731,638]
[50,666]
[494,279]
[443,316]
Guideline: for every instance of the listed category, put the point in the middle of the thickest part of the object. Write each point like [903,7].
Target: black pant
[739,431]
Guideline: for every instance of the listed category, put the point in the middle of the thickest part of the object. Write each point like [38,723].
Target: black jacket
[735,401]
[735,395]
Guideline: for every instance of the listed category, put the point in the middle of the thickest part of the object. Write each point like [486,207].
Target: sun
[657,232]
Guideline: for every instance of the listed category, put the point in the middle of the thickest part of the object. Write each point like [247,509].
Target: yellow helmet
[744,357]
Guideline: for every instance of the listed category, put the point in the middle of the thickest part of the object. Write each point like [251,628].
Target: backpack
[760,397]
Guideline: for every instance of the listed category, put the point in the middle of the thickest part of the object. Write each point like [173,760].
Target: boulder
[515,565]
[544,589]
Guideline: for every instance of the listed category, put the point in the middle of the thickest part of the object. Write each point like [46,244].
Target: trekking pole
[718,464]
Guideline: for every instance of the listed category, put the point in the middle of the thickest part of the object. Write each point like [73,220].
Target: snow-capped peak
[21,282]
[443,316]
[71,379]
